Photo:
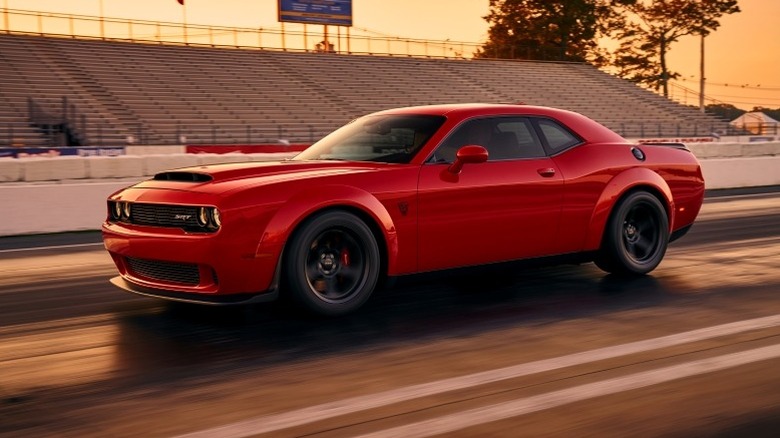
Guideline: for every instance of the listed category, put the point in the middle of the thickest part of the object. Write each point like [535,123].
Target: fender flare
[306,203]
[618,186]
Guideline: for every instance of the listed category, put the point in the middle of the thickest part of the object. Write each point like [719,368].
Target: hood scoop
[183,177]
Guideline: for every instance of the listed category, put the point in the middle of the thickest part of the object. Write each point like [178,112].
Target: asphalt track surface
[691,350]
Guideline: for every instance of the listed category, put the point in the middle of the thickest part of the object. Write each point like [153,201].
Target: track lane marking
[523,406]
[44,248]
[311,414]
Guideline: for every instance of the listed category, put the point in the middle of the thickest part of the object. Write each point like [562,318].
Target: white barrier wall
[728,173]
[72,201]
[49,208]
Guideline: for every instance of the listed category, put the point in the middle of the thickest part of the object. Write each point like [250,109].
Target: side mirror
[471,154]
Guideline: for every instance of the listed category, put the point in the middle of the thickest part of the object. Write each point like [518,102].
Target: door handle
[547,172]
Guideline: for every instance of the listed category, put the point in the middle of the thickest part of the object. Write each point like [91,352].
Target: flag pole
[5,16]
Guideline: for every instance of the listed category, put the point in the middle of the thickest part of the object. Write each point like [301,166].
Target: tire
[636,236]
[333,264]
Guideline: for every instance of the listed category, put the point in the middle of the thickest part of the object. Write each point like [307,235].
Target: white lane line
[43,248]
[284,420]
[523,406]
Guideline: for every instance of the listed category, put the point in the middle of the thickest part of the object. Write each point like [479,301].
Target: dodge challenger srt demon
[401,192]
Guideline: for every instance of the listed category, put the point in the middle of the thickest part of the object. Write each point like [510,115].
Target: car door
[504,209]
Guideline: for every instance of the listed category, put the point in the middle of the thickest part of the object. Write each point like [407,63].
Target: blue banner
[333,12]
[81,151]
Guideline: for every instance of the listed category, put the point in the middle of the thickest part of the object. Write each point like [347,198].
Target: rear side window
[558,137]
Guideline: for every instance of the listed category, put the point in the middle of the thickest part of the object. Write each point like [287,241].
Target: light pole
[102,26]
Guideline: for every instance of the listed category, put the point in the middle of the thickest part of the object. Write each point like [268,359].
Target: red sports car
[401,192]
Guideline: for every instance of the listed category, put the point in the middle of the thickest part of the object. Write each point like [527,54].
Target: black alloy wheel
[333,264]
[636,236]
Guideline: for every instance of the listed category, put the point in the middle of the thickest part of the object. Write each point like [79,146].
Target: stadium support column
[284,46]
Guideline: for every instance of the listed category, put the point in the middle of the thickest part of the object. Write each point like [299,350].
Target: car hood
[225,178]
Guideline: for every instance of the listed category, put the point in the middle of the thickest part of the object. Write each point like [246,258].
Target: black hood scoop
[183,177]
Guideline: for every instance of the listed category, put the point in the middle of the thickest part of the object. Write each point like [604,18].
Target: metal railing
[18,135]
[301,38]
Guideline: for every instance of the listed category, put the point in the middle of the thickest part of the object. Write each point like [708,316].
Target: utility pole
[701,75]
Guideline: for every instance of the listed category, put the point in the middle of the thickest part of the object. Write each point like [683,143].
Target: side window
[505,138]
[517,137]
[558,137]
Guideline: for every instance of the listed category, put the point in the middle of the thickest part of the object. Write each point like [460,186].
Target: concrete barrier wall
[126,166]
[151,149]
[49,208]
[727,173]
[70,205]
[733,150]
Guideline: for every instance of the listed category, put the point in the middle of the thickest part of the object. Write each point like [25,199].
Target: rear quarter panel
[596,176]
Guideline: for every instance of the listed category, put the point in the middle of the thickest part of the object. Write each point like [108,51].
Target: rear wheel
[636,236]
[333,264]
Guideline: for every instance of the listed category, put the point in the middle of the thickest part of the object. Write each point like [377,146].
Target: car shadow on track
[194,340]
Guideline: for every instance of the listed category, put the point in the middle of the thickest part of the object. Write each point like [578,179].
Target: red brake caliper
[344,258]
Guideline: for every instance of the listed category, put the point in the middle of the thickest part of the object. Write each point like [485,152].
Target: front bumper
[215,300]
[206,268]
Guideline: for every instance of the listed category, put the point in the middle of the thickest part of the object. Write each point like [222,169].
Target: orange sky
[743,53]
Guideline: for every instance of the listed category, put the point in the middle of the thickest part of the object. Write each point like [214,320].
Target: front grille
[177,216]
[184,273]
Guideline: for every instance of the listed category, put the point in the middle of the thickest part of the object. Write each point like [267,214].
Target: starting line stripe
[285,420]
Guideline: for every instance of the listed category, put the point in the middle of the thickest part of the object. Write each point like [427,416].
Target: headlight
[116,211]
[126,209]
[216,218]
[203,216]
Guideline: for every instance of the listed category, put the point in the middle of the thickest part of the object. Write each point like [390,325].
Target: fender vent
[182,177]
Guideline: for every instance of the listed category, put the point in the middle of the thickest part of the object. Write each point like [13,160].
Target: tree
[650,28]
[725,111]
[564,30]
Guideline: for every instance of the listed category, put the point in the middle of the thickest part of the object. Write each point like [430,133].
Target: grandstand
[95,92]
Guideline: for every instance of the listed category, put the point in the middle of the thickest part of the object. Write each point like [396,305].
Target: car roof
[587,128]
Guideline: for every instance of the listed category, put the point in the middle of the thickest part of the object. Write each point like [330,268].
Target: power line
[745,86]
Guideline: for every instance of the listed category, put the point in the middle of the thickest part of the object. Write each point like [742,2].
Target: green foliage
[569,30]
[651,27]
[564,30]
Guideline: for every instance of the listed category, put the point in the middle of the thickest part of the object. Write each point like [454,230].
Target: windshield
[381,138]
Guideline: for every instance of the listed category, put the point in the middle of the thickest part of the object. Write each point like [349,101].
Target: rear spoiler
[667,144]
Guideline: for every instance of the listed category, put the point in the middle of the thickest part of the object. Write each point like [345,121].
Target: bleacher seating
[160,94]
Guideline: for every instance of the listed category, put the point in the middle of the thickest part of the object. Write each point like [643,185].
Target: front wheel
[636,236]
[332,264]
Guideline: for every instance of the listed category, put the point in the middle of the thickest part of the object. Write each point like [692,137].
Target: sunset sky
[743,60]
